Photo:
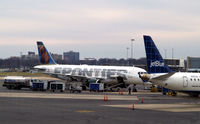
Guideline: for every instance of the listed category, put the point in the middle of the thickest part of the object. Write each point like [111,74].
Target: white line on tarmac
[66,96]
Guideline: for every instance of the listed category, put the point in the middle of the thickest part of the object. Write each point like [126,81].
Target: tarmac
[30,107]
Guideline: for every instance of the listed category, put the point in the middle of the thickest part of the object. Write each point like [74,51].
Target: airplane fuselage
[180,81]
[130,75]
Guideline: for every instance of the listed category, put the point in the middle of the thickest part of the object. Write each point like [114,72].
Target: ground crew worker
[129,90]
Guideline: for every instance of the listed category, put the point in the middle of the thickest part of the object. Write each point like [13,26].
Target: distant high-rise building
[71,56]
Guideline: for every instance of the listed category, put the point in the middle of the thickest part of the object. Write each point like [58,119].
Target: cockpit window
[142,73]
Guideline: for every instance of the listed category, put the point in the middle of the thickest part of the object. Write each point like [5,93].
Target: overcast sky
[100,28]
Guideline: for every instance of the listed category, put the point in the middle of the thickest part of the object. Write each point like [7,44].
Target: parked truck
[17,82]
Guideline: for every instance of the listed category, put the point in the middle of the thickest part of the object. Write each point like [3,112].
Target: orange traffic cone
[105,97]
[142,100]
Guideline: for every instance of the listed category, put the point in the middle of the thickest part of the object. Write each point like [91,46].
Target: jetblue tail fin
[44,56]
[155,61]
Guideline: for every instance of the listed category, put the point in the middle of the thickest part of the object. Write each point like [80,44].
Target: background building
[71,56]
[176,64]
[193,64]
[30,55]
[56,57]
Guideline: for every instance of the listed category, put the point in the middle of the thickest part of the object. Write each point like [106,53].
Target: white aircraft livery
[162,75]
[105,74]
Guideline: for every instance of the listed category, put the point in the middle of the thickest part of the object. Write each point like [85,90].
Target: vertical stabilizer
[44,56]
[155,61]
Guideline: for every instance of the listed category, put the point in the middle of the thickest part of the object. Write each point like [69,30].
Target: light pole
[127,48]
[132,48]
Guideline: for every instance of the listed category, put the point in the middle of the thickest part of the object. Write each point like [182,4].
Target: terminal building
[193,64]
[176,64]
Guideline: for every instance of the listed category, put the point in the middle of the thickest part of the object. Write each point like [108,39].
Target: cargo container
[96,87]
[38,85]
[57,86]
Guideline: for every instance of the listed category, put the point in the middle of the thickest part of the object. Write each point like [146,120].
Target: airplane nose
[145,77]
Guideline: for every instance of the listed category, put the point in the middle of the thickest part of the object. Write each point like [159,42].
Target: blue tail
[155,61]
[44,56]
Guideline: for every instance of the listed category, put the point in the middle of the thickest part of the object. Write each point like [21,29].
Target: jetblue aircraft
[105,74]
[162,75]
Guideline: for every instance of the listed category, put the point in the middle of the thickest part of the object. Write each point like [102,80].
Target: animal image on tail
[44,56]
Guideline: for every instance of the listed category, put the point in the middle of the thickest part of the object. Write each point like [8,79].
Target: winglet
[44,56]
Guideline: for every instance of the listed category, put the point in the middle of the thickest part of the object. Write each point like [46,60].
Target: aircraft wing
[63,77]
[163,77]
[83,77]
[80,77]
[116,76]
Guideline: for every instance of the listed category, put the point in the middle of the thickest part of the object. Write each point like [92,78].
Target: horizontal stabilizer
[163,77]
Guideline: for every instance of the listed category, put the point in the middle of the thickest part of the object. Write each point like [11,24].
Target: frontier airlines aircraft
[105,74]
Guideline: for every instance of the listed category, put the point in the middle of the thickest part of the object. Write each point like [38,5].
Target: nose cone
[145,77]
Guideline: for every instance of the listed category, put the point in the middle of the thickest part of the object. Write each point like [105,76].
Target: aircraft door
[185,81]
